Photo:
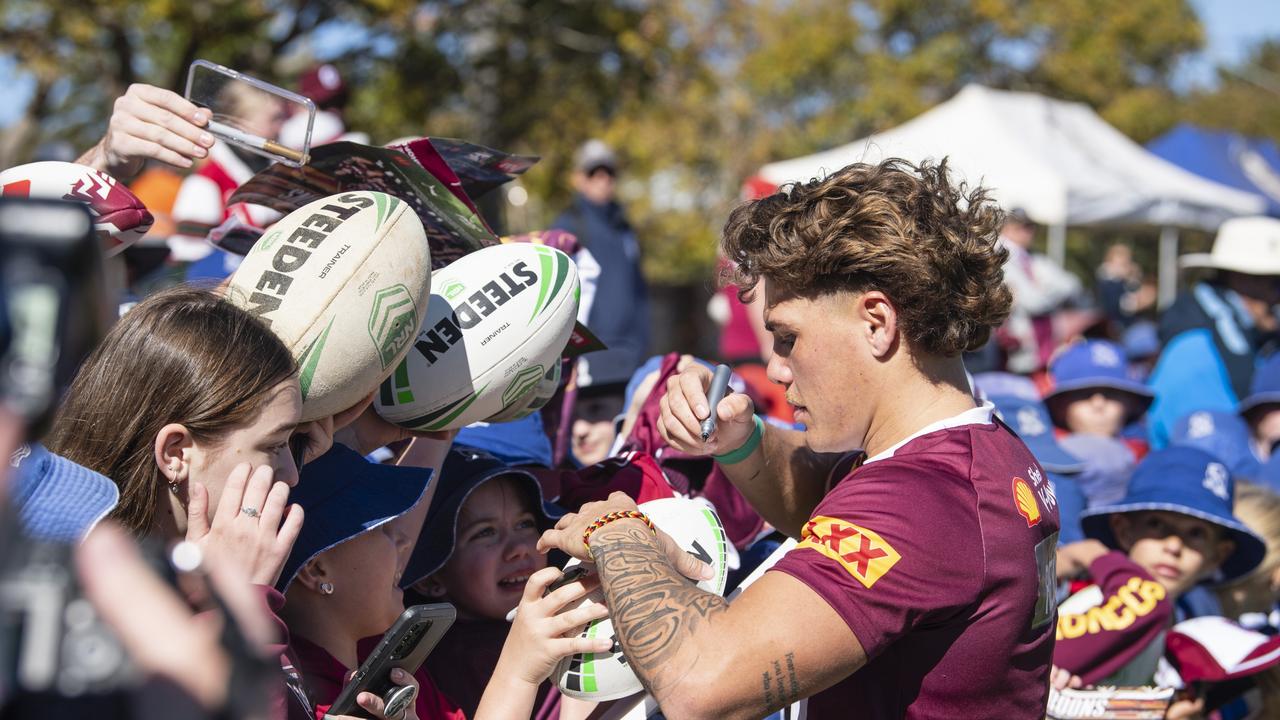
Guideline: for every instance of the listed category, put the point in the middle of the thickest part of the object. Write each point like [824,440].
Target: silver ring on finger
[250,511]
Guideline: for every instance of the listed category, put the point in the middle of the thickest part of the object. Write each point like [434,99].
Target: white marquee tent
[1059,161]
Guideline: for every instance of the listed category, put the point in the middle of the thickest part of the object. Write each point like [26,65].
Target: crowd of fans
[1156,431]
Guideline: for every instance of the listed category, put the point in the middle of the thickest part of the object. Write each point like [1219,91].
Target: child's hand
[1061,679]
[1185,710]
[542,634]
[1075,558]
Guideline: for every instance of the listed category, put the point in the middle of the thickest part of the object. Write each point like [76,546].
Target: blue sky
[1232,27]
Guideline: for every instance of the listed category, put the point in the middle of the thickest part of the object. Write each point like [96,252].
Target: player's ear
[880,320]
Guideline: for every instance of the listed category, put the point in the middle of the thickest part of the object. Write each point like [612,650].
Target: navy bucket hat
[465,469]
[1190,482]
[344,496]
[1094,365]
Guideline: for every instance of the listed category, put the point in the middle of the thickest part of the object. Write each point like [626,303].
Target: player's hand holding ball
[567,536]
[684,407]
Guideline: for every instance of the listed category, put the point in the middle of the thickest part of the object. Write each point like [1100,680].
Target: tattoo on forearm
[780,692]
[654,608]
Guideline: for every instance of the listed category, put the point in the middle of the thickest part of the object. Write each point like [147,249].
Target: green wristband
[748,447]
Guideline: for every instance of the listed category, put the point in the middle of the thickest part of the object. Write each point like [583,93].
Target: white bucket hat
[1249,245]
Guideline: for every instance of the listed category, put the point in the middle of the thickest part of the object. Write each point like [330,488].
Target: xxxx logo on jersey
[860,551]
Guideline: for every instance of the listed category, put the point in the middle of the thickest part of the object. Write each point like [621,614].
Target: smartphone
[253,115]
[405,646]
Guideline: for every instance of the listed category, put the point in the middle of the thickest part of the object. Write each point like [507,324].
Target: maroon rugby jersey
[939,554]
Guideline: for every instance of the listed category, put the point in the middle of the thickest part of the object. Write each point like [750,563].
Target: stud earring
[326,588]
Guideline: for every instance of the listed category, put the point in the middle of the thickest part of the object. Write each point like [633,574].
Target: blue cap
[1191,482]
[58,499]
[1141,340]
[1265,388]
[1003,384]
[1030,420]
[343,496]
[1223,435]
[1094,364]
[465,469]
[519,442]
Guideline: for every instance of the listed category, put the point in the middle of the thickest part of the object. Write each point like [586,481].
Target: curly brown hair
[903,229]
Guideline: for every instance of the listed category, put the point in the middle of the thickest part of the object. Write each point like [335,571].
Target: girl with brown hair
[190,404]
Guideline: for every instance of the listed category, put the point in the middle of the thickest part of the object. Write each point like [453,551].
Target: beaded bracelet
[610,517]
[748,447]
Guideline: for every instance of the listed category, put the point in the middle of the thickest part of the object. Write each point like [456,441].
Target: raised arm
[150,123]
[782,479]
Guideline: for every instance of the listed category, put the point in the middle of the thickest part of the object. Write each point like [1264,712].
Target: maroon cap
[324,85]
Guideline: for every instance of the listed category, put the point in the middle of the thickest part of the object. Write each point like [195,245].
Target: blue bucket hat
[1265,388]
[344,496]
[1090,365]
[1030,420]
[58,499]
[1223,435]
[519,442]
[1191,482]
[465,469]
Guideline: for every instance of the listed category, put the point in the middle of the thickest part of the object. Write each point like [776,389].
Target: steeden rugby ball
[119,217]
[607,676]
[344,282]
[498,320]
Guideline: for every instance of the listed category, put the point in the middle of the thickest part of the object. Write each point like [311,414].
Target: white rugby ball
[539,396]
[344,282]
[119,217]
[498,319]
[607,676]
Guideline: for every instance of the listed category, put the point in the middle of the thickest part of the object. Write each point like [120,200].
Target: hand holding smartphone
[405,646]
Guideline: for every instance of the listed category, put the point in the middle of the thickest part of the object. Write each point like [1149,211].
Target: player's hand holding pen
[687,404]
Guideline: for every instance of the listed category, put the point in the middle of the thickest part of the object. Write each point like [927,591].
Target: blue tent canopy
[1250,164]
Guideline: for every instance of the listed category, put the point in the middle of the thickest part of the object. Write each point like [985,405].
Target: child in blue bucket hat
[1093,392]
[1173,530]
[1260,409]
[1092,401]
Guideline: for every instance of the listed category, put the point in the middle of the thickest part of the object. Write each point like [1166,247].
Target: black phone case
[405,646]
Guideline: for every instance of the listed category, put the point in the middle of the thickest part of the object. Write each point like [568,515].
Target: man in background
[620,313]
[1040,287]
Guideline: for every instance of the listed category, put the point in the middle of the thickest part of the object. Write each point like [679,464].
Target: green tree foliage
[696,94]
[1247,98]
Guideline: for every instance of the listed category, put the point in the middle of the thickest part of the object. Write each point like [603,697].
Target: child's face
[365,573]
[1096,412]
[1265,422]
[593,429]
[495,553]
[1178,550]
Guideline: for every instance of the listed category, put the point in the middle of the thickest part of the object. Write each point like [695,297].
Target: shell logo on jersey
[1025,500]
[863,553]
